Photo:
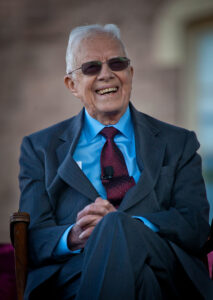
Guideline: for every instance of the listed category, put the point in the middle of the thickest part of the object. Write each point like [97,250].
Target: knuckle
[91,207]
[105,211]
[79,214]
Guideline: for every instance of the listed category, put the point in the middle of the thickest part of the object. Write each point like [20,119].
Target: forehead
[98,47]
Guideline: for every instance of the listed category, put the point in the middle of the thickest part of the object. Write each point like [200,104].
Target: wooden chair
[19,222]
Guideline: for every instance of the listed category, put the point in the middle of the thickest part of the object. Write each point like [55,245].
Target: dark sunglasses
[94,67]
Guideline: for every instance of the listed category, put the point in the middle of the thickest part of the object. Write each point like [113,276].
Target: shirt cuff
[147,223]
[62,248]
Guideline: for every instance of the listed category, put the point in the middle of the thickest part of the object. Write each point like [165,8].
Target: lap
[124,248]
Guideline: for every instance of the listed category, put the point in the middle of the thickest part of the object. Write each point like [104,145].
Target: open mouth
[107,90]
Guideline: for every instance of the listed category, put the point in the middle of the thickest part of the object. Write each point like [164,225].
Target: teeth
[109,90]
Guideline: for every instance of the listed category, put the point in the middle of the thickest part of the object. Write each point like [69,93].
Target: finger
[89,220]
[99,199]
[83,212]
[86,233]
[100,202]
[105,203]
[93,209]
[100,208]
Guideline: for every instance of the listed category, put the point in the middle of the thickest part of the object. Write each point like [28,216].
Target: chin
[112,105]
[111,109]
[113,112]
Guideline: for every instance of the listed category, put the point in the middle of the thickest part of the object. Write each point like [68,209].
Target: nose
[105,73]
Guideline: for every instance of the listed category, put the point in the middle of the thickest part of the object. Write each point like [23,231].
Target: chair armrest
[19,222]
[18,218]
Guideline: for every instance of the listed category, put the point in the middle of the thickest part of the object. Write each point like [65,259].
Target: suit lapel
[150,153]
[68,169]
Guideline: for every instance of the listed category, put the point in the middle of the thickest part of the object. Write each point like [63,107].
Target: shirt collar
[92,127]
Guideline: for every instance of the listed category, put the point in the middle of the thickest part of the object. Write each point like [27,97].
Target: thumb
[99,199]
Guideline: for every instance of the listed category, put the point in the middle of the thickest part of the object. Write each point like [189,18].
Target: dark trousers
[124,259]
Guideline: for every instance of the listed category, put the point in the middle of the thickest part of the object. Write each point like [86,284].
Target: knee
[111,221]
[107,227]
[119,217]
[118,222]
[114,217]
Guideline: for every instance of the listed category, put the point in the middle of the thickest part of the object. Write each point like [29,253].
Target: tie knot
[109,132]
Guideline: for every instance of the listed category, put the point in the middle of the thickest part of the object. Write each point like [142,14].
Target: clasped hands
[86,221]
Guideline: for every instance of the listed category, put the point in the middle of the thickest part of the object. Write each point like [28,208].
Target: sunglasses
[94,67]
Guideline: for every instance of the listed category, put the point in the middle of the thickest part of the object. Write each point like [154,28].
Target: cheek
[127,86]
[127,80]
[88,98]
[88,89]
[87,93]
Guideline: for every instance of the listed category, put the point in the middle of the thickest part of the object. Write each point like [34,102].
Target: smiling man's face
[107,94]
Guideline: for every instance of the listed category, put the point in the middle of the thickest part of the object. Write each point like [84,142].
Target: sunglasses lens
[118,63]
[91,68]
[115,64]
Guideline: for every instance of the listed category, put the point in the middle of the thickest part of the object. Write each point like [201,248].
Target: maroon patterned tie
[114,173]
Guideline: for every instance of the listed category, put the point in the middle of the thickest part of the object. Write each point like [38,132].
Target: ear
[71,84]
[131,70]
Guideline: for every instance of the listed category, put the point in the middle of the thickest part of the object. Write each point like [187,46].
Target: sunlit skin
[86,221]
[107,109]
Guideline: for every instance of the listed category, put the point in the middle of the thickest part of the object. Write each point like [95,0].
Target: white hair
[82,32]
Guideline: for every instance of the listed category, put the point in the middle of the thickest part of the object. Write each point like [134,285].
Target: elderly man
[116,198]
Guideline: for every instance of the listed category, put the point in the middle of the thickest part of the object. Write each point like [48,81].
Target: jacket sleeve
[185,222]
[43,233]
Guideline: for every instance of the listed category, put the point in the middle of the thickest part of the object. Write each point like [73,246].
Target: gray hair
[81,32]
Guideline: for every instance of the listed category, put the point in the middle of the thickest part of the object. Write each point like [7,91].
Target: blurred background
[170,44]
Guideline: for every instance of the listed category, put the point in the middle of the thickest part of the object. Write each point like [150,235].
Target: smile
[107,90]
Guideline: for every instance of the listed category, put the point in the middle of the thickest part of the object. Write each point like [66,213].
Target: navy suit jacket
[170,192]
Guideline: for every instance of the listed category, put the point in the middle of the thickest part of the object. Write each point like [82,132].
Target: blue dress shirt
[87,156]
